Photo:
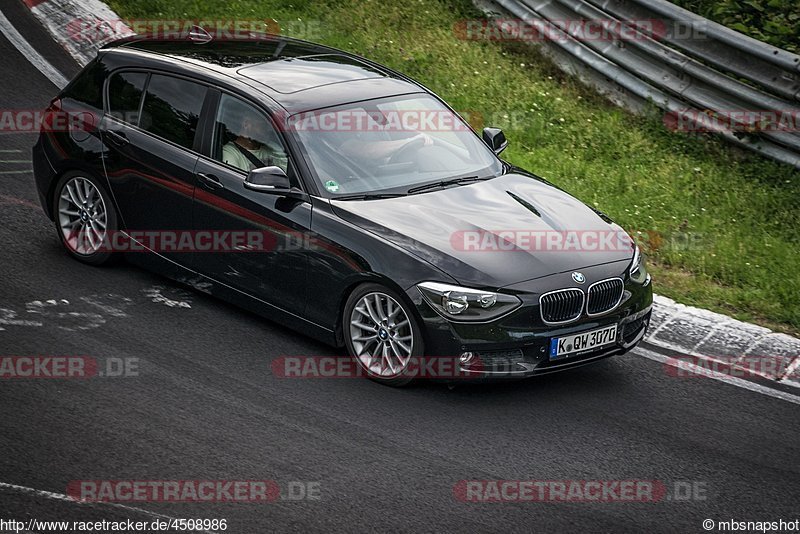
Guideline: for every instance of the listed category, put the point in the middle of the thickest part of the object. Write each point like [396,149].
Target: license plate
[561,347]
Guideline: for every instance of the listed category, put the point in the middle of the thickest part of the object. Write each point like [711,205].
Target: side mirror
[495,138]
[268,180]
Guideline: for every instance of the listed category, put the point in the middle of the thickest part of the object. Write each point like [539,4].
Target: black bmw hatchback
[340,198]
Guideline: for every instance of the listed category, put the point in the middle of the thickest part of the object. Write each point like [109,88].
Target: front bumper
[517,345]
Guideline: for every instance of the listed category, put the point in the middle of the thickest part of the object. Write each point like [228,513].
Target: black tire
[102,256]
[417,347]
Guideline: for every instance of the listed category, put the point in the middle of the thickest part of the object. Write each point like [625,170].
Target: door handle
[209,181]
[116,138]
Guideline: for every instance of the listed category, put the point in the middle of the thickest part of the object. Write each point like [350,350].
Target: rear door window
[171,109]
[125,91]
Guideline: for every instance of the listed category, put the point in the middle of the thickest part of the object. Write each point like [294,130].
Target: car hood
[476,233]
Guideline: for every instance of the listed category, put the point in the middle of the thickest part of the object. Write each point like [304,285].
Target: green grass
[776,22]
[741,212]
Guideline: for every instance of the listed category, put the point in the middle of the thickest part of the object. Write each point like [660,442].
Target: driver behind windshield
[405,141]
[373,147]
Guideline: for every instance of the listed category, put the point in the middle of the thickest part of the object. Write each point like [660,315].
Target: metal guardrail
[689,67]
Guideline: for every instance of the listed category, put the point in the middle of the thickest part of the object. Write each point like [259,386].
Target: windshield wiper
[369,196]
[445,183]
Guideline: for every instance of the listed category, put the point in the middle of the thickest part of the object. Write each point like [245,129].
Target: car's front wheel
[382,335]
[85,218]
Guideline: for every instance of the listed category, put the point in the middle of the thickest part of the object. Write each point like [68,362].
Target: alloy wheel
[82,216]
[381,335]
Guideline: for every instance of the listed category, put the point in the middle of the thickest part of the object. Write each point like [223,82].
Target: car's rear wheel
[382,335]
[85,218]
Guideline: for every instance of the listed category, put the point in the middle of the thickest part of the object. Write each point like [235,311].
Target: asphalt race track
[203,404]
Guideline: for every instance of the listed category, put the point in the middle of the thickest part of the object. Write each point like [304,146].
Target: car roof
[298,75]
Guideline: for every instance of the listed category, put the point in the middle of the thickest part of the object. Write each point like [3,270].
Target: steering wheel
[416,143]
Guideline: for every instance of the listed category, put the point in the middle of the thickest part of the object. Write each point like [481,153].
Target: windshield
[390,145]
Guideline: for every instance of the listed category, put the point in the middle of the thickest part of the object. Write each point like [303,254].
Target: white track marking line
[711,331]
[62,497]
[36,59]
[734,381]
[667,320]
[789,370]
[15,172]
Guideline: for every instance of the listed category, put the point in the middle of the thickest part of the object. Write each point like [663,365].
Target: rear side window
[172,109]
[87,88]
[125,91]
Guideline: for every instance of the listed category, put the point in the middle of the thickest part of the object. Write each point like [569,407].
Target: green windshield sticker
[332,186]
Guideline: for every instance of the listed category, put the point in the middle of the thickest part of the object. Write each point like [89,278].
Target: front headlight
[465,304]
[638,271]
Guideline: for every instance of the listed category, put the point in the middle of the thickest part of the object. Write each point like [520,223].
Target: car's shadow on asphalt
[597,377]
[600,379]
